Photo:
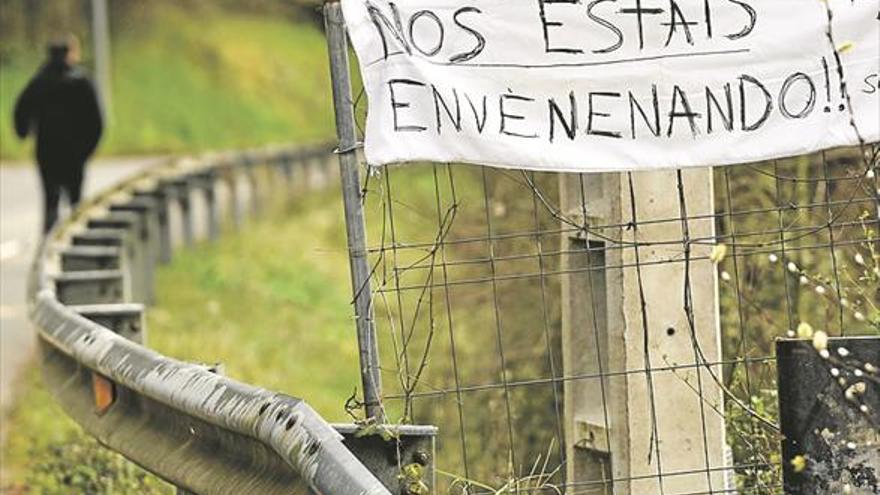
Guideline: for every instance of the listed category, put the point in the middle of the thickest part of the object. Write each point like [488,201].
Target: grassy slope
[178,85]
[255,318]
[222,83]
[259,318]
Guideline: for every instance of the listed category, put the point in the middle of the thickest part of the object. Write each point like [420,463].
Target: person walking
[60,105]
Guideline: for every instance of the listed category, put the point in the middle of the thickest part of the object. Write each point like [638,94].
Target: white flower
[835,372]
[859,373]
[820,290]
[844,302]
[805,330]
[864,408]
[719,252]
[843,351]
[804,280]
[773,258]
[851,445]
[870,368]
[859,316]
[870,173]
[725,276]
[820,341]
[859,259]
[792,267]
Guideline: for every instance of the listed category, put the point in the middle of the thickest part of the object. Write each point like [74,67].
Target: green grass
[46,453]
[271,303]
[227,81]
[272,323]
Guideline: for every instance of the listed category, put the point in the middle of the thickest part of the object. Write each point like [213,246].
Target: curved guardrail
[201,431]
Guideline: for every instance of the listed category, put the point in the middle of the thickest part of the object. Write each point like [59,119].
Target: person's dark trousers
[58,178]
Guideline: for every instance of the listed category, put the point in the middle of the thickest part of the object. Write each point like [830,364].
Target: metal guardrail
[201,431]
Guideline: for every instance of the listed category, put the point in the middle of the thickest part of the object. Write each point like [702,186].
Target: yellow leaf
[845,47]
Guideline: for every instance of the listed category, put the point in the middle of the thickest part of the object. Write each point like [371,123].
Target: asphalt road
[20,219]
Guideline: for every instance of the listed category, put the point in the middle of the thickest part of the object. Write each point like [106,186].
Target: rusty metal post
[337,44]
[829,411]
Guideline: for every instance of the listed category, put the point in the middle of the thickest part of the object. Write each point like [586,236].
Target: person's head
[64,50]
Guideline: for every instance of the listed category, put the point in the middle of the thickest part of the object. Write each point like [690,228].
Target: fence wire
[472,267]
[527,314]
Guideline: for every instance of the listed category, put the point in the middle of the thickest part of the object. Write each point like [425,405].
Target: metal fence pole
[337,45]
[829,409]
[101,37]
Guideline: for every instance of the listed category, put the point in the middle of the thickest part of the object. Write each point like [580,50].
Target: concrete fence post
[624,317]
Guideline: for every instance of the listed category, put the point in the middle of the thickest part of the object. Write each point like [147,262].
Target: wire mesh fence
[613,333]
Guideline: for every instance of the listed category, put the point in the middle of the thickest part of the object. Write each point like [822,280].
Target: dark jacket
[61,106]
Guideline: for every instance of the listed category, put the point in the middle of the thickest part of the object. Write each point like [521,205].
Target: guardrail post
[151,200]
[319,168]
[229,177]
[404,464]
[163,221]
[126,320]
[91,287]
[204,181]
[148,240]
[829,409]
[110,238]
[337,43]
[285,162]
[181,188]
[86,258]
[249,165]
[137,267]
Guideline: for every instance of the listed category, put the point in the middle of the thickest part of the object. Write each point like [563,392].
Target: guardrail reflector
[105,393]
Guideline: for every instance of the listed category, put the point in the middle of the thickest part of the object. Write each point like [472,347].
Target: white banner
[602,85]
